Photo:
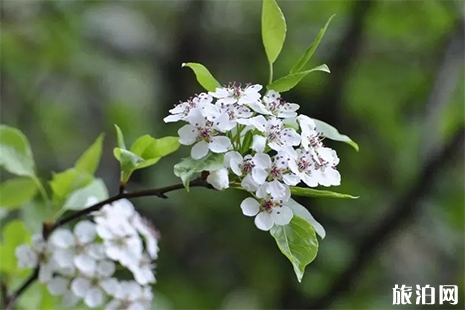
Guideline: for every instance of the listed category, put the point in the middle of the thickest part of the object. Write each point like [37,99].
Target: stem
[49,228]
[271,73]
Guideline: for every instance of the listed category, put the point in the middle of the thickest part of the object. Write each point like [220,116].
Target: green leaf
[310,192]
[289,81]
[15,152]
[298,242]
[332,133]
[247,142]
[66,182]
[78,199]
[311,49]
[188,166]
[14,234]
[120,138]
[204,77]
[16,192]
[148,147]
[303,212]
[128,163]
[88,162]
[273,29]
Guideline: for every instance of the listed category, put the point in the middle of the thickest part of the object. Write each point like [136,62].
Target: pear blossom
[273,105]
[268,210]
[236,94]
[130,295]
[267,147]
[182,110]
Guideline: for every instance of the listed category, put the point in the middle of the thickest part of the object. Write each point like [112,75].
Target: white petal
[85,231]
[105,268]
[80,286]
[96,251]
[276,189]
[264,221]
[115,304]
[199,150]
[85,264]
[250,206]
[187,134]
[249,184]
[310,180]
[219,179]
[259,175]
[26,257]
[94,297]
[62,238]
[46,272]
[259,122]
[258,144]
[262,160]
[291,179]
[172,118]
[104,232]
[69,299]
[219,144]
[64,257]
[110,286]
[257,106]
[234,160]
[282,215]
[57,286]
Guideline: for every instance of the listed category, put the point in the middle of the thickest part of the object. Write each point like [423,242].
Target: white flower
[308,135]
[326,167]
[279,137]
[280,169]
[204,134]
[219,178]
[92,288]
[255,165]
[182,110]
[40,253]
[272,104]
[130,295]
[236,94]
[78,249]
[268,210]
[61,286]
[143,272]
[27,257]
[146,229]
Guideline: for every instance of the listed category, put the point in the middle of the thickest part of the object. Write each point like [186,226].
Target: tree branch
[48,228]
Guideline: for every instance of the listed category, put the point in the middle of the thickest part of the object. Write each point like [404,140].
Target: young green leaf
[310,192]
[289,81]
[16,192]
[120,137]
[187,167]
[311,49]
[15,152]
[303,212]
[298,242]
[273,29]
[128,163]
[148,147]
[14,234]
[66,182]
[88,162]
[78,199]
[204,77]
[332,133]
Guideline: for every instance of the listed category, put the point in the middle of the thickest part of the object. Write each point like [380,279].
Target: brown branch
[48,228]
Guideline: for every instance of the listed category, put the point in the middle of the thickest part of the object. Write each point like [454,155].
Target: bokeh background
[72,69]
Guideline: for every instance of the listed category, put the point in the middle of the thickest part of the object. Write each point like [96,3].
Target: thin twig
[50,227]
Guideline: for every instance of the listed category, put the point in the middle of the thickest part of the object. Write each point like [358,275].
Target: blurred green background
[72,69]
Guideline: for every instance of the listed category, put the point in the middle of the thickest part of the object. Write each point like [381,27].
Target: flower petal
[264,221]
[187,134]
[199,150]
[85,231]
[219,144]
[282,215]
[80,286]
[94,297]
[250,206]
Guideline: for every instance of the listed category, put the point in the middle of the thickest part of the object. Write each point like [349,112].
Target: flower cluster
[267,147]
[80,264]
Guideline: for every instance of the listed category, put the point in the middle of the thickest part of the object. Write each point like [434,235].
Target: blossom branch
[48,228]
